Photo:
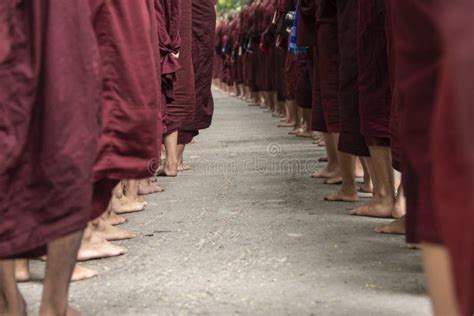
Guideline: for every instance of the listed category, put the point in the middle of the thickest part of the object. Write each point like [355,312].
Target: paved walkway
[246,232]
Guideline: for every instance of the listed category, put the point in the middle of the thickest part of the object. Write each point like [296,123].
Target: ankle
[53,309]
[12,306]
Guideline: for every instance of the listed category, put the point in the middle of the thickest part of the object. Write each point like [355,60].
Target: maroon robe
[303,75]
[453,150]
[434,56]
[351,140]
[329,62]
[395,144]
[180,112]
[49,126]
[203,27]
[268,50]
[373,79]
[167,15]
[280,52]
[318,121]
[130,140]
[417,75]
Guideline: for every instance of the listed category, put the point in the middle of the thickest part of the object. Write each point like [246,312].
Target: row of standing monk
[387,83]
[89,92]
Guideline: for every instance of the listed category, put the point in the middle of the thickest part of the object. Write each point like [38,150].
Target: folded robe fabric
[373,80]
[49,122]
[181,110]
[131,93]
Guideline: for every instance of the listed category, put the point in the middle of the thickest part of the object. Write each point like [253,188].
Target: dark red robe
[130,141]
[203,28]
[180,111]
[167,15]
[417,75]
[329,62]
[351,140]
[318,119]
[49,122]
[373,73]
[453,147]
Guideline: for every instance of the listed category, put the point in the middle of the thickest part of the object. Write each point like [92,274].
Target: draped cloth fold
[49,122]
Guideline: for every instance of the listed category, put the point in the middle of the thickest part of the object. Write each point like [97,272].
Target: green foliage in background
[224,6]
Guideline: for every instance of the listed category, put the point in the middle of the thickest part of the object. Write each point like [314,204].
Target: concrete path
[246,232]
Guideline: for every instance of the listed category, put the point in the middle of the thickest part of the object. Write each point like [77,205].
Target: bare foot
[359,171]
[340,196]
[169,169]
[17,307]
[399,209]
[397,227]
[125,205]
[326,173]
[366,188]
[286,124]
[82,273]
[109,232]
[72,312]
[97,248]
[22,270]
[149,188]
[305,134]
[296,131]
[374,208]
[184,167]
[114,219]
[336,180]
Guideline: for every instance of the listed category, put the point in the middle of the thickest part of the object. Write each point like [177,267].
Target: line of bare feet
[23,274]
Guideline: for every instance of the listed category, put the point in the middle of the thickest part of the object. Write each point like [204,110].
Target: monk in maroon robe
[350,141]
[452,147]
[375,100]
[434,55]
[203,28]
[397,226]
[50,103]
[131,93]
[327,69]
[180,111]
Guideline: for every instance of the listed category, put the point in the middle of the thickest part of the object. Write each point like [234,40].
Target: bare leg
[182,166]
[380,165]
[298,112]
[307,119]
[331,170]
[397,226]
[437,263]
[290,114]
[22,270]
[62,254]
[367,186]
[131,190]
[359,168]
[170,168]
[11,300]
[347,192]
